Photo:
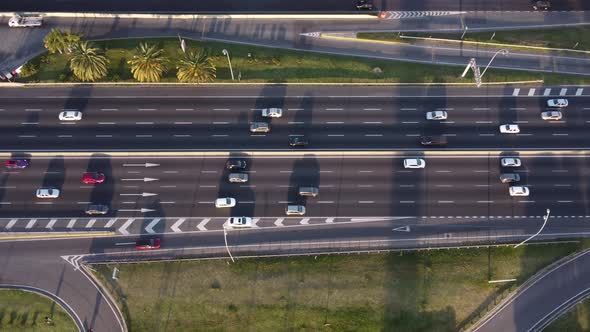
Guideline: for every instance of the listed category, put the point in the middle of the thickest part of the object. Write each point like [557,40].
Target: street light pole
[473,65]
[503,51]
[226,53]
[546,217]
[226,246]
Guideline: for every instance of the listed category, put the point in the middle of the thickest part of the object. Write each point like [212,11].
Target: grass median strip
[253,64]
[441,290]
[22,311]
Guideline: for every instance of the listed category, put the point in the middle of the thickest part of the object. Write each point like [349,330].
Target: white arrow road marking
[150,227]
[329,220]
[141,165]
[123,229]
[31,223]
[71,223]
[110,223]
[175,228]
[90,223]
[279,222]
[142,210]
[142,194]
[11,223]
[142,179]
[201,225]
[402,229]
[304,221]
[51,223]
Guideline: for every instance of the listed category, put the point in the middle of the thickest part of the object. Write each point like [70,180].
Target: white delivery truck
[25,21]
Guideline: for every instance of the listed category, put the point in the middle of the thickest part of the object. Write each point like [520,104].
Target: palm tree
[87,64]
[148,64]
[196,68]
[60,41]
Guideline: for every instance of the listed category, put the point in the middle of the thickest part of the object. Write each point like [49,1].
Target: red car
[17,163]
[93,178]
[147,244]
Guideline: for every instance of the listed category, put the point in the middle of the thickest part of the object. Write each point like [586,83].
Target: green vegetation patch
[576,320]
[409,291]
[577,37]
[273,65]
[26,312]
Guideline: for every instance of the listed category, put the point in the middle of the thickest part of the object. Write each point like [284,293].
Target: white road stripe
[220,122]
[51,223]
[90,223]
[296,122]
[546,92]
[31,223]
[109,109]
[579,91]
[185,109]
[334,109]
[11,223]
[110,223]
[106,123]
[182,135]
[371,109]
[146,109]
[562,92]
[71,223]
[531,92]
[373,135]
[183,123]
[516,92]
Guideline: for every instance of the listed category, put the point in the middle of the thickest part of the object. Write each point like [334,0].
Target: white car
[509,129]
[414,163]
[557,103]
[47,193]
[225,202]
[510,162]
[436,115]
[70,116]
[239,222]
[551,115]
[272,112]
[519,191]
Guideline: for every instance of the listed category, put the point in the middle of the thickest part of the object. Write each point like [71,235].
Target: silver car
[295,210]
[259,127]
[272,112]
[551,115]
[238,177]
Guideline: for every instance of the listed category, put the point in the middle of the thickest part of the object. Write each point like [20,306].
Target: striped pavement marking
[579,91]
[562,92]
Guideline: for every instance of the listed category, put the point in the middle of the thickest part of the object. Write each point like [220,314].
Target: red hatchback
[93,178]
[147,244]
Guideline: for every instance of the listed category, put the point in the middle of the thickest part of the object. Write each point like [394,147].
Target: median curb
[49,235]
[269,16]
[98,154]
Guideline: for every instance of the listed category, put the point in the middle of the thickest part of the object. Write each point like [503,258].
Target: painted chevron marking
[175,227]
[110,223]
[51,223]
[201,225]
[123,229]
[394,15]
[279,222]
[150,227]
[11,223]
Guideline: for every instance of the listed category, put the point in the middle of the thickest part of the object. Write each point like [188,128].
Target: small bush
[29,69]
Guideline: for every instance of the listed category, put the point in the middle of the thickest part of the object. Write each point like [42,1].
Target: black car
[300,141]
[433,140]
[509,177]
[364,5]
[541,5]
[235,164]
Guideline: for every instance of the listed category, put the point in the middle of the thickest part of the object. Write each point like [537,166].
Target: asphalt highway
[277,6]
[184,187]
[363,122]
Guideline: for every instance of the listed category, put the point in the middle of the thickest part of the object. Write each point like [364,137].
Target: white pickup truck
[25,21]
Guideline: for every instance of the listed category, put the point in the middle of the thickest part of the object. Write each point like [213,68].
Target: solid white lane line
[183,123]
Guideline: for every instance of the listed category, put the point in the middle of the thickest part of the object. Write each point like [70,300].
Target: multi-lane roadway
[367,121]
[276,6]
